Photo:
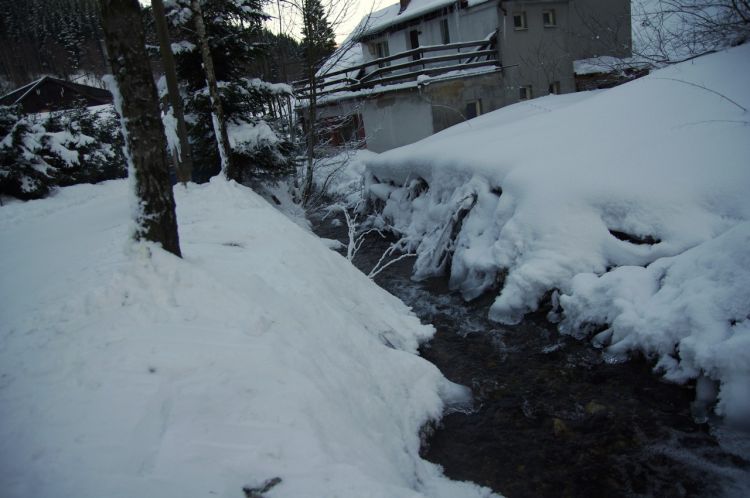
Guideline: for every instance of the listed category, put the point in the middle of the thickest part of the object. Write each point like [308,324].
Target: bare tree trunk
[311,136]
[184,158]
[139,109]
[220,127]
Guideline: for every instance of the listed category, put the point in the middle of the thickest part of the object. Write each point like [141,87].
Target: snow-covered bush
[259,144]
[40,152]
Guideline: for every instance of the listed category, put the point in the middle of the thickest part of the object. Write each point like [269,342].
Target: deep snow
[125,371]
[533,195]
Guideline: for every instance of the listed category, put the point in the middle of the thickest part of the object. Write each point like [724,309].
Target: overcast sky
[357,10]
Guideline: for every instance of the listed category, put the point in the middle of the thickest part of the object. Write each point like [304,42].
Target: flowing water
[551,417]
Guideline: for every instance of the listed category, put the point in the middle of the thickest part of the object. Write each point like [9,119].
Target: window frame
[554,88]
[381,51]
[552,17]
[445,34]
[525,92]
[521,14]
[413,39]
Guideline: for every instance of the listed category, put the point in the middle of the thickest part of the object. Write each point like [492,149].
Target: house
[53,94]
[421,66]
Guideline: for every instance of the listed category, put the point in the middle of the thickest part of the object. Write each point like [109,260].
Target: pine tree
[318,38]
[235,42]
[317,43]
[57,37]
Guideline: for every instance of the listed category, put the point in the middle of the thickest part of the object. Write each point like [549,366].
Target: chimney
[404,5]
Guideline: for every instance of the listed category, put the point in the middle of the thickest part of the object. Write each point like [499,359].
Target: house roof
[17,96]
[392,15]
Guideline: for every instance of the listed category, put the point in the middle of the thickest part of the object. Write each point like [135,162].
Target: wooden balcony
[406,66]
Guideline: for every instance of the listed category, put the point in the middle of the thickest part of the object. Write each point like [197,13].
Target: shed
[53,94]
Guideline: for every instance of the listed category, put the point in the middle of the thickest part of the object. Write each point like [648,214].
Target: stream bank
[551,417]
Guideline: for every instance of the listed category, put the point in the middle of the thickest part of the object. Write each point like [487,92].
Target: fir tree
[317,44]
[236,44]
[318,38]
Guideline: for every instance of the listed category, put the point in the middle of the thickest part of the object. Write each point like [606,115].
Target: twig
[706,89]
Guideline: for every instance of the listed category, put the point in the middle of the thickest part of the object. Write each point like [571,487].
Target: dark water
[551,417]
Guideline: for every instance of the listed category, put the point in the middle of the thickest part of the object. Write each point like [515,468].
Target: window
[381,50]
[554,88]
[473,109]
[519,21]
[445,35]
[414,42]
[548,18]
[524,92]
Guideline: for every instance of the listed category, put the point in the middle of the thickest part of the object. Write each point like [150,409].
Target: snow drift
[125,371]
[649,179]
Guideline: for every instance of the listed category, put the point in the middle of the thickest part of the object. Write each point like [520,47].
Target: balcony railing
[420,61]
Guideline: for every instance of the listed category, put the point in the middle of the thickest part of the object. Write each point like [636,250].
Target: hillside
[125,371]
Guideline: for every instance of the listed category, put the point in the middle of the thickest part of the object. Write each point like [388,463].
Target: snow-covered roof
[93,95]
[392,15]
[349,54]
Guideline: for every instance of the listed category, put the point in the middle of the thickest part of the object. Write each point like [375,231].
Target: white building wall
[392,121]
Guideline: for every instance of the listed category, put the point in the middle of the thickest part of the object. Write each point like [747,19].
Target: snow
[699,301]
[170,131]
[534,190]
[606,64]
[391,15]
[126,371]
[420,81]
[341,175]
[250,135]
[182,46]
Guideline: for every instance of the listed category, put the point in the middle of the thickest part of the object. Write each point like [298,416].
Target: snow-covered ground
[125,371]
[539,196]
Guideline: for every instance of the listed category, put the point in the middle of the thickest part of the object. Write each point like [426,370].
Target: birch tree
[217,112]
[184,155]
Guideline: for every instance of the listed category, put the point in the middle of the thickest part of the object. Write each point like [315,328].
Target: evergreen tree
[57,37]
[64,148]
[317,43]
[236,45]
[318,38]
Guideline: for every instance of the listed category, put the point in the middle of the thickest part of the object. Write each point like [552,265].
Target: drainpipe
[404,5]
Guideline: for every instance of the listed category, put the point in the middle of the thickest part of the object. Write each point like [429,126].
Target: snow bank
[528,197]
[340,176]
[691,311]
[125,371]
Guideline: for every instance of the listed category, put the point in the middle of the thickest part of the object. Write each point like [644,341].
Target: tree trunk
[311,136]
[137,102]
[220,128]
[184,157]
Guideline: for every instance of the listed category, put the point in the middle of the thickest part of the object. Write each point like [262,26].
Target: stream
[551,417]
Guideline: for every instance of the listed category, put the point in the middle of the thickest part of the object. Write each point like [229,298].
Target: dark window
[554,88]
[445,34]
[524,92]
[548,18]
[519,20]
[473,109]
[381,50]
[414,42]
